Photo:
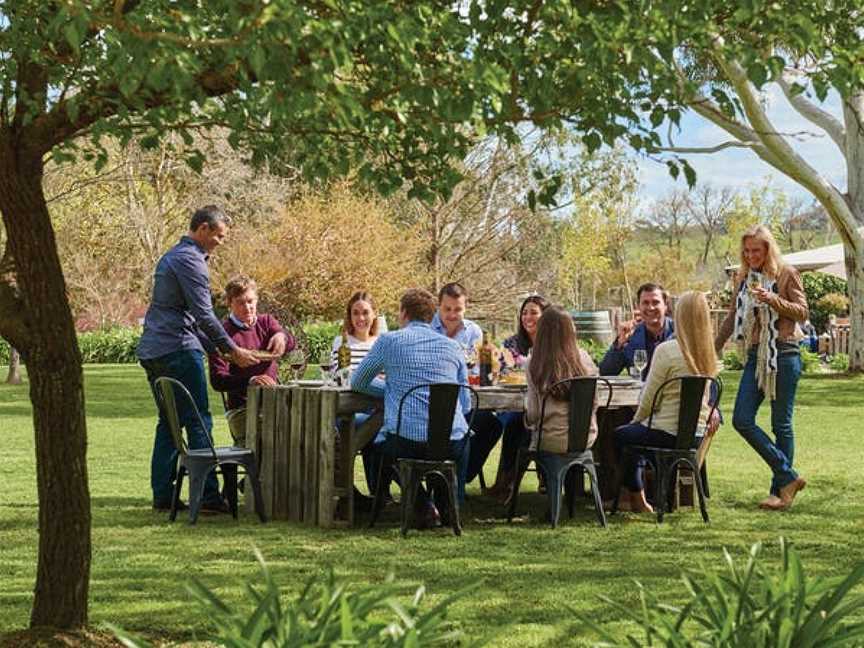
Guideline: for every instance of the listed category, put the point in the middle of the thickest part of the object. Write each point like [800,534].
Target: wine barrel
[593,325]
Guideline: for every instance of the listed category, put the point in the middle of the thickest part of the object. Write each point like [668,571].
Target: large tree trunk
[14,375]
[855,287]
[50,350]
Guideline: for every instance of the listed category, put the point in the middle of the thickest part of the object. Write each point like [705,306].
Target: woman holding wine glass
[691,351]
[769,302]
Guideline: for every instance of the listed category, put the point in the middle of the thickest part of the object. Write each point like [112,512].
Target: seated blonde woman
[690,352]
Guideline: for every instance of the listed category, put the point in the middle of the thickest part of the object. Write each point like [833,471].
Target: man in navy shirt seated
[656,327]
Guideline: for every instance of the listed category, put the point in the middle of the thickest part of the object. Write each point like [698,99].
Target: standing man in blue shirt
[411,356]
[450,321]
[656,327]
[178,327]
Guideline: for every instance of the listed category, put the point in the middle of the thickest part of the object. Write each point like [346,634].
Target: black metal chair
[667,460]
[198,463]
[582,392]
[443,398]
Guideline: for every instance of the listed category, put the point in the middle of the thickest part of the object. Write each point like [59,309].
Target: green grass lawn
[533,576]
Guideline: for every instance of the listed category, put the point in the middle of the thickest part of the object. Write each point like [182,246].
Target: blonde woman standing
[690,352]
[768,301]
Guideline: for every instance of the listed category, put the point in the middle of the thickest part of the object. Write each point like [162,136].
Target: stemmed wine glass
[325,362]
[296,359]
[640,361]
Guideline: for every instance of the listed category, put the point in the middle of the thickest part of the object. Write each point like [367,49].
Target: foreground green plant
[751,608]
[327,613]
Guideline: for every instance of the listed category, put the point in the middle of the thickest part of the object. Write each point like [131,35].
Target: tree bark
[14,375]
[53,361]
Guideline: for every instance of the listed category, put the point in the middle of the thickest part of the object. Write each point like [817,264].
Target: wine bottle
[484,360]
[343,355]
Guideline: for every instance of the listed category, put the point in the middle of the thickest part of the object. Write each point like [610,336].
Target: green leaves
[748,606]
[326,613]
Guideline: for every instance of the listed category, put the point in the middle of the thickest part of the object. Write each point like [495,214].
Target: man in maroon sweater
[248,330]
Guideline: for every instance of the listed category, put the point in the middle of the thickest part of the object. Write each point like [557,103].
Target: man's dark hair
[208,215]
[651,287]
[452,289]
[418,305]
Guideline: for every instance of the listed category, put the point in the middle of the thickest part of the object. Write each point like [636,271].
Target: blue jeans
[515,436]
[487,430]
[188,368]
[399,447]
[641,435]
[778,454]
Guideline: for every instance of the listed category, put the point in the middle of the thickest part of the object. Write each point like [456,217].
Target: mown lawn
[533,577]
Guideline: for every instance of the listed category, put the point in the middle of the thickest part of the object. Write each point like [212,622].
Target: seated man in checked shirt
[413,355]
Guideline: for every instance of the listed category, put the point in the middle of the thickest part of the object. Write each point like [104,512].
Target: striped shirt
[412,356]
[358,348]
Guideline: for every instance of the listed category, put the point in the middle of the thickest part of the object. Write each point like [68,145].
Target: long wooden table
[305,439]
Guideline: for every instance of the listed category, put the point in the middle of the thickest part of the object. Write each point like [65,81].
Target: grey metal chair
[687,441]
[443,400]
[556,467]
[198,463]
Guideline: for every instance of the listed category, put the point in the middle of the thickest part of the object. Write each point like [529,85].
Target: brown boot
[502,485]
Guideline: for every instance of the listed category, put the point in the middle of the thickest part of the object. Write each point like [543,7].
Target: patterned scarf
[749,313]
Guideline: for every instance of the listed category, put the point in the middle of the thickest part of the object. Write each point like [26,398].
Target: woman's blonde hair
[693,332]
[773,257]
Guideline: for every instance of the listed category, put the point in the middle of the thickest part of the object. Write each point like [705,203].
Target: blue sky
[740,168]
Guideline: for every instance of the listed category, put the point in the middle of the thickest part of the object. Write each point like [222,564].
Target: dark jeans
[778,454]
[188,368]
[515,436]
[487,430]
[396,447]
[636,434]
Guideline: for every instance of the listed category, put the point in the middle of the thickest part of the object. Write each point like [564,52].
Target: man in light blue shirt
[450,321]
[411,356]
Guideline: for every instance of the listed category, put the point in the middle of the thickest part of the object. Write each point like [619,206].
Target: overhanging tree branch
[813,113]
[805,174]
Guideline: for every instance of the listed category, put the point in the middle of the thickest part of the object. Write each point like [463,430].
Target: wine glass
[325,362]
[296,359]
[640,360]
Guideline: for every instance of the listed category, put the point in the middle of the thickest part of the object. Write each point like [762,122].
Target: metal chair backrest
[581,395]
[443,399]
[690,405]
[168,390]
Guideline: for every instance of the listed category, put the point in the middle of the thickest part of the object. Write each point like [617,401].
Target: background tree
[668,222]
[709,207]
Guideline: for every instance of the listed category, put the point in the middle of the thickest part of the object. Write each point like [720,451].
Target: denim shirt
[412,356]
[180,316]
[468,336]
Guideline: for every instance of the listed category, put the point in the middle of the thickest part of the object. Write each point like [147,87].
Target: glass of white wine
[640,361]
